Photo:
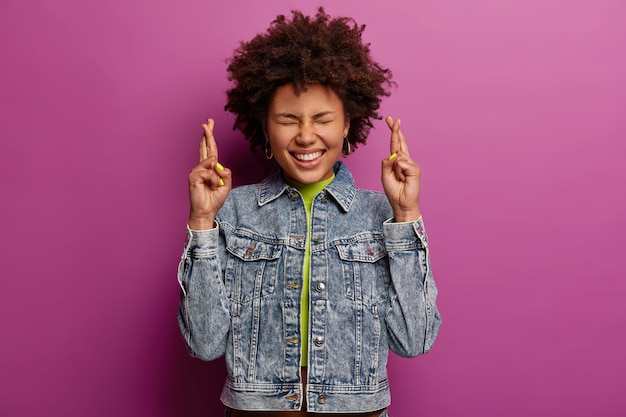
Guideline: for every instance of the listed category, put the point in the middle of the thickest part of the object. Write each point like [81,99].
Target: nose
[306,135]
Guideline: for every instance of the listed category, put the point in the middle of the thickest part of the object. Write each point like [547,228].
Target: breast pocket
[251,268]
[365,269]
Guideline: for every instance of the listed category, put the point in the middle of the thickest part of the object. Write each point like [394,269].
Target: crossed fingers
[208,146]
[398,142]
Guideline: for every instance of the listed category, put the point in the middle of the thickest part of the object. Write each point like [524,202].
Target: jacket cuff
[202,243]
[401,236]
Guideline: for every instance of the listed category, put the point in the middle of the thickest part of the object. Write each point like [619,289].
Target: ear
[346,127]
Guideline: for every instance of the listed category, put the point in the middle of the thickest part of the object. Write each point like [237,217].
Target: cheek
[335,136]
[279,139]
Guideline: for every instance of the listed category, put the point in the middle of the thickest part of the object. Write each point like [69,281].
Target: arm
[203,316]
[412,319]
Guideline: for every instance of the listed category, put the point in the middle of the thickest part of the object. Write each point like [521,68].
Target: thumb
[388,164]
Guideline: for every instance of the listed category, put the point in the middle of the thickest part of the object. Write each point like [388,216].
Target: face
[306,131]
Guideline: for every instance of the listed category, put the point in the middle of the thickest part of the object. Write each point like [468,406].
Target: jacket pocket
[365,269]
[252,267]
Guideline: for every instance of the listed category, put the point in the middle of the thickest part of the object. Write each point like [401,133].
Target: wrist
[203,223]
[407,217]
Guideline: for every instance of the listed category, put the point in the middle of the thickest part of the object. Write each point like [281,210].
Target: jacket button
[321,399]
[320,287]
[319,341]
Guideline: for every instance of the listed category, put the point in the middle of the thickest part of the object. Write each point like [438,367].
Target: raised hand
[401,176]
[209,183]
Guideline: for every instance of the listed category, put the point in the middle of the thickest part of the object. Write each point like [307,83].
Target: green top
[308,192]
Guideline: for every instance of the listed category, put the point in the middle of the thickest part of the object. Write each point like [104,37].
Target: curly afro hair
[306,51]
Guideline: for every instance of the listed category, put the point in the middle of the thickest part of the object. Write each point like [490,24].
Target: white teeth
[307,156]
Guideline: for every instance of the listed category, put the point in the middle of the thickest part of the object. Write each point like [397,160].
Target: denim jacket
[371,289]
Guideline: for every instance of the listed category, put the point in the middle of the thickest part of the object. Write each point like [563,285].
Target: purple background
[514,109]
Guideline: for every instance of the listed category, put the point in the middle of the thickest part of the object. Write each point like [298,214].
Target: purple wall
[514,109]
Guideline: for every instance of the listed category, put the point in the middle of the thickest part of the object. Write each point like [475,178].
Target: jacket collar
[342,189]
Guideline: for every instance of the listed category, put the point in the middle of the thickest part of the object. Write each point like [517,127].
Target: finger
[207,177]
[390,168]
[394,126]
[210,168]
[202,151]
[407,166]
[399,171]
[387,165]
[202,176]
[225,174]
[205,142]
[404,146]
[389,120]
[210,139]
[208,163]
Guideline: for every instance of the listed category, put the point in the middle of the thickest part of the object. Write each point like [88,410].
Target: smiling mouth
[307,156]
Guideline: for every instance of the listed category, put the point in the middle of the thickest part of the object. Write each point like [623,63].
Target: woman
[304,282]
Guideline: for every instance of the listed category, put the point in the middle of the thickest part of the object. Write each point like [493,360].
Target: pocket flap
[250,249]
[365,250]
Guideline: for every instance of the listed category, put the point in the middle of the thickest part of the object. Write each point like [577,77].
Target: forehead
[315,98]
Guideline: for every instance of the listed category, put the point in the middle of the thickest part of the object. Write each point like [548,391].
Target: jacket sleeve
[203,316]
[412,319]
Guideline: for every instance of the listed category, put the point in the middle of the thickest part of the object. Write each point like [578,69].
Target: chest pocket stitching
[363,270]
[252,268]
[369,250]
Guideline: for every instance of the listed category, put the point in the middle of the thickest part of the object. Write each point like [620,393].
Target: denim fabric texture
[371,290]
[228,413]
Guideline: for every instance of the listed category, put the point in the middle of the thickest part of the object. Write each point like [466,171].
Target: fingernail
[393,156]
[219,166]
[221,182]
